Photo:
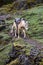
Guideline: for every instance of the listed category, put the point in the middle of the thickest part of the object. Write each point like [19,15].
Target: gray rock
[35,51]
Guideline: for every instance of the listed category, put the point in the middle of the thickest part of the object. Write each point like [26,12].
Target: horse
[23,25]
[13,29]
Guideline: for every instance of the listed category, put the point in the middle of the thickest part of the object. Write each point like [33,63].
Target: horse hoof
[18,37]
[24,37]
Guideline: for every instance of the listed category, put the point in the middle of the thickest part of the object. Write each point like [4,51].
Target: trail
[34,42]
[38,44]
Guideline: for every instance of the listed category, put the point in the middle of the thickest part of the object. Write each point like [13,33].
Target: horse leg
[11,32]
[18,33]
[15,33]
[24,33]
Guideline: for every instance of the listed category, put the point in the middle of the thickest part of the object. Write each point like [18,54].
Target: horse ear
[22,18]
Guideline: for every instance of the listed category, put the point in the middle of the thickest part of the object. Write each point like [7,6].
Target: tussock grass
[4,53]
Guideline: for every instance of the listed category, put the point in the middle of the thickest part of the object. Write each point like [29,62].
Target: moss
[24,46]
[41,63]
[4,53]
[15,62]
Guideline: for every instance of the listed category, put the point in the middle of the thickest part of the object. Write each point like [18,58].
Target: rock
[7,61]
[35,55]
[37,60]
[34,52]
[13,53]
[24,60]
[33,59]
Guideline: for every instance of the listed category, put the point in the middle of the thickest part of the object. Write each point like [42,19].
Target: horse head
[26,25]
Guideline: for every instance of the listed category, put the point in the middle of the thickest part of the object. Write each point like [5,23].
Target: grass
[4,53]
[15,62]
[4,36]
[35,18]
[40,39]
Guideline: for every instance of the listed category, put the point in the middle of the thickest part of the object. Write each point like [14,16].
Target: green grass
[38,39]
[4,53]
[35,20]
[4,36]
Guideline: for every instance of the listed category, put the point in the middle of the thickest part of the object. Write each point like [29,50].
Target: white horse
[23,25]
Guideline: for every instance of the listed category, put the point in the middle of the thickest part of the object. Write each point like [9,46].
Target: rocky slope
[34,16]
[14,5]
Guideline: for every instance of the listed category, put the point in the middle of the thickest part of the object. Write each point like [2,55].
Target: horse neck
[15,25]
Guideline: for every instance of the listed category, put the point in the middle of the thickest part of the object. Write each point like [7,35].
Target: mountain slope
[7,6]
